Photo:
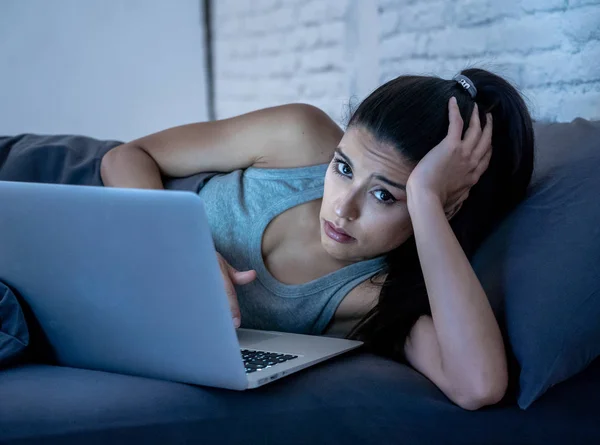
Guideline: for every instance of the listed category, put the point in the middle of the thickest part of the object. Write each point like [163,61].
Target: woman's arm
[460,347]
[291,135]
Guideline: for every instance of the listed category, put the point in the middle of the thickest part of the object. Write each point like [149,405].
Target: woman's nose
[346,207]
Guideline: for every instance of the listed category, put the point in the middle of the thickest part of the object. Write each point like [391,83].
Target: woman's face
[360,199]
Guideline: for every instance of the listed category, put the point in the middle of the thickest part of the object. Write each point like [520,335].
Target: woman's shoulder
[309,134]
[355,306]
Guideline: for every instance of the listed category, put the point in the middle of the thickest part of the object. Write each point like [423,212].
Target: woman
[366,233]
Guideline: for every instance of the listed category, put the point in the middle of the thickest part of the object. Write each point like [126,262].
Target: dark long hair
[411,114]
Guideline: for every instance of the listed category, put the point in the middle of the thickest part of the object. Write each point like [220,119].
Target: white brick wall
[332,52]
[549,48]
[278,51]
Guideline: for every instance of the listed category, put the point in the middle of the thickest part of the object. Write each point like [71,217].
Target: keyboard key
[259,360]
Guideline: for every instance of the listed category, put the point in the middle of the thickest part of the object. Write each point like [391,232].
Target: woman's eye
[384,197]
[342,168]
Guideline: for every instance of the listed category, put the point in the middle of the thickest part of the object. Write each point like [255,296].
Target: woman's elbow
[109,160]
[489,392]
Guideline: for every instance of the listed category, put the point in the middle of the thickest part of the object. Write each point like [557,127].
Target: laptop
[128,281]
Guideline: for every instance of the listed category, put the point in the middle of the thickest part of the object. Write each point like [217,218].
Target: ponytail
[513,135]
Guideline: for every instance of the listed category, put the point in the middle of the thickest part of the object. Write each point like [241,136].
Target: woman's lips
[335,235]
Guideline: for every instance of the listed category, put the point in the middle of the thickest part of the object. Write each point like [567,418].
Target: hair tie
[467,84]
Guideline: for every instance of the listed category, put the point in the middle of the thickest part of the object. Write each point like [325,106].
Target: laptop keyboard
[259,360]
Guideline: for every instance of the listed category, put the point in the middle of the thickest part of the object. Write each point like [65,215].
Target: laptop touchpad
[250,338]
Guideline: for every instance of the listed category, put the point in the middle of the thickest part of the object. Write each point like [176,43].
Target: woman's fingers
[243,277]
[456,123]
[236,277]
[473,133]
[233,301]
[483,164]
[485,142]
[230,290]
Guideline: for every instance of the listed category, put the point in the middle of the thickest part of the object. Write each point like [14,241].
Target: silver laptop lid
[122,280]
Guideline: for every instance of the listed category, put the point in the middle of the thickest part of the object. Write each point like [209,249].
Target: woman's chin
[335,250]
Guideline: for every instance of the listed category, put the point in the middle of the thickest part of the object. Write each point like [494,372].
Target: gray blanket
[68,159]
[14,334]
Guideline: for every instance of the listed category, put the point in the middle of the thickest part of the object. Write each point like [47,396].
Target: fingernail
[236,322]
[453,99]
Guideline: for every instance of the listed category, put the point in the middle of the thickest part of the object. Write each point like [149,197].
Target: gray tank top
[239,206]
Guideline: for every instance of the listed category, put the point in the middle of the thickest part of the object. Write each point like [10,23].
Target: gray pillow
[541,272]
[14,335]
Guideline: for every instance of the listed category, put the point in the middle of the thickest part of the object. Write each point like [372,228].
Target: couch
[355,398]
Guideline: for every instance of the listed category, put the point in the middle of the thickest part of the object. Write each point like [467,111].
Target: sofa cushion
[357,398]
[559,143]
[14,335]
[541,267]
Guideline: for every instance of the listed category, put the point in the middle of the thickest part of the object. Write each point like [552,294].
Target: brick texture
[269,52]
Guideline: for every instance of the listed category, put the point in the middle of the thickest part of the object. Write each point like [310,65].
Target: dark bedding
[355,399]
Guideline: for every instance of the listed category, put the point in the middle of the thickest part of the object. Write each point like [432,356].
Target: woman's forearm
[129,166]
[471,345]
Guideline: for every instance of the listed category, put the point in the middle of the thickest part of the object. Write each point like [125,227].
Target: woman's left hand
[452,167]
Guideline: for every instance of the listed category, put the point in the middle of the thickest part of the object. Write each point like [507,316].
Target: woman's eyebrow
[338,150]
[402,187]
[387,181]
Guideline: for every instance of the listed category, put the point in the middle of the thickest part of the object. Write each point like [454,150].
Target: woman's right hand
[231,277]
